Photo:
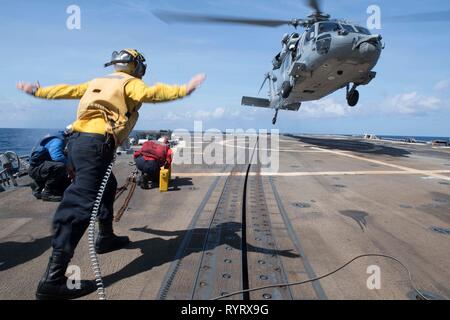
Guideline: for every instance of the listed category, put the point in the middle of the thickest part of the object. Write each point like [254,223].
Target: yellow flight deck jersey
[98,117]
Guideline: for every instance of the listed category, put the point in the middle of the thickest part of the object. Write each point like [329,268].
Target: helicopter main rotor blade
[315,5]
[178,17]
[419,17]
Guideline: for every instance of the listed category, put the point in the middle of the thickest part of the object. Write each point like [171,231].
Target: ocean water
[22,141]
[418,139]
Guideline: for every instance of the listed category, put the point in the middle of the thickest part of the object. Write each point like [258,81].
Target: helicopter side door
[289,53]
[284,69]
[300,46]
[295,63]
[306,52]
[309,41]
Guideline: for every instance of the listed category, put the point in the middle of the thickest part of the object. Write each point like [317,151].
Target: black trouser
[50,175]
[89,155]
[149,167]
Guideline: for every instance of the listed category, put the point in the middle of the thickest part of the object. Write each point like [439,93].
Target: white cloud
[412,103]
[409,103]
[35,113]
[215,114]
[172,116]
[325,108]
[219,113]
[442,85]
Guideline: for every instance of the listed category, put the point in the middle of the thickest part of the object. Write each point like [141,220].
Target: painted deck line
[433,173]
[430,173]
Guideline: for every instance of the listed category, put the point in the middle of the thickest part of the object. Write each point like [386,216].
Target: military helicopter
[330,54]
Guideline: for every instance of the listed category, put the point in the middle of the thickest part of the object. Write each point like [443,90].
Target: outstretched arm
[138,91]
[61,91]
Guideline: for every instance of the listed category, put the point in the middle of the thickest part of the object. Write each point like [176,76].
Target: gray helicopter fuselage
[325,58]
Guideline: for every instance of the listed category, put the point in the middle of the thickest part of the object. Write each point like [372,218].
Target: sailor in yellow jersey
[107,113]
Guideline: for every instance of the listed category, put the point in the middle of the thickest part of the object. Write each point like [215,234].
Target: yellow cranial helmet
[129,61]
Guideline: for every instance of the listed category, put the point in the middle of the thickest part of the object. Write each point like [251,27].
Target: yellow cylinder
[164,180]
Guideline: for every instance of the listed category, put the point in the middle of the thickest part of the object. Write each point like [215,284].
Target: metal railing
[9,176]
[6,178]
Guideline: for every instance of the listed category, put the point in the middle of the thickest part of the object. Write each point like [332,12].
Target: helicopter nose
[370,50]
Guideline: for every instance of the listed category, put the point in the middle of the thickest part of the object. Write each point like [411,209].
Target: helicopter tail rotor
[267,77]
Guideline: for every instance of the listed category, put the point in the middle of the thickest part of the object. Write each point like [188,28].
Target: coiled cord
[91,234]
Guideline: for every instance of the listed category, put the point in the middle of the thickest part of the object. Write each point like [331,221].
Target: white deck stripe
[430,173]
[309,174]
[403,170]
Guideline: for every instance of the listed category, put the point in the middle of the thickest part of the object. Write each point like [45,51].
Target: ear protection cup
[129,61]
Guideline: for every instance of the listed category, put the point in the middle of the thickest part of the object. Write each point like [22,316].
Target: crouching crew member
[48,169]
[150,159]
[107,113]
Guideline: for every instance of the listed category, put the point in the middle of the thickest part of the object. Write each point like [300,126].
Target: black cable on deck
[245,281]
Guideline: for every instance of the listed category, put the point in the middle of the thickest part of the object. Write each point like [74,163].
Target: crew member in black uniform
[107,113]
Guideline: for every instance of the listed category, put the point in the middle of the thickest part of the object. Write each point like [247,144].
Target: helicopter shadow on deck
[13,253]
[355,146]
[158,251]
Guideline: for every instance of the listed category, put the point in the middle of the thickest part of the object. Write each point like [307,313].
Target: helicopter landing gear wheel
[352,95]
[286,89]
[353,98]
[275,117]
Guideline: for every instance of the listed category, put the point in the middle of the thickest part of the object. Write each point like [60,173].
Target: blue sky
[410,95]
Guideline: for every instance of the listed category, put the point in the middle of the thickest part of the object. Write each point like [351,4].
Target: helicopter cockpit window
[348,27]
[310,34]
[363,30]
[328,27]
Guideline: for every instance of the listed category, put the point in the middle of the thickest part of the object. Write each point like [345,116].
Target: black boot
[53,285]
[107,241]
[144,182]
[37,195]
[49,196]
[37,190]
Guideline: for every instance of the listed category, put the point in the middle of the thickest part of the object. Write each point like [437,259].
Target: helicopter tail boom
[256,102]
[265,103]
